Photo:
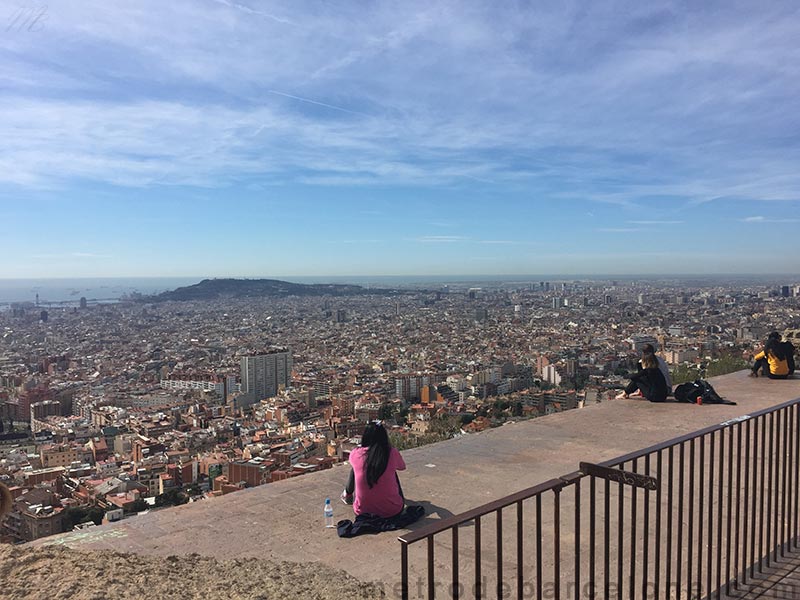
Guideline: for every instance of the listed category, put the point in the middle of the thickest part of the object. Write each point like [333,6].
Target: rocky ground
[52,573]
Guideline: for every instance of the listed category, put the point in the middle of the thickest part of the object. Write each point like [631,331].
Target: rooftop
[283,520]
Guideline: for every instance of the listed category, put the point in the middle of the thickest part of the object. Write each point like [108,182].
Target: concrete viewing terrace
[283,521]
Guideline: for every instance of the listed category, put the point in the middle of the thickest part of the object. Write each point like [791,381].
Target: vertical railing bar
[709,538]
[607,543]
[751,498]
[741,500]
[734,573]
[620,537]
[478,589]
[762,476]
[578,540]
[657,579]
[539,557]
[557,542]
[646,540]
[499,553]
[431,581]
[720,485]
[632,568]
[796,496]
[592,537]
[792,435]
[670,486]
[520,553]
[403,571]
[679,549]
[770,484]
[701,495]
[456,580]
[785,479]
[728,540]
[690,533]
[777,459]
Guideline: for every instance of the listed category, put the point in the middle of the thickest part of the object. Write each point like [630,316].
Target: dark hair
[648,348]
[377,440]
[774,347]
[649,361]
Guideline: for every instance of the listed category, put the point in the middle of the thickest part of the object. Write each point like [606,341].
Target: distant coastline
[69,291]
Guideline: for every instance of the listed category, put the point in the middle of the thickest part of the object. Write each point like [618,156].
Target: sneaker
[346,498]
[753,373]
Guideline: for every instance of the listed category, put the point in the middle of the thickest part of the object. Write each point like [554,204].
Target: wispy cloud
[509,242]
[617,229]
[252,11]
[655,222]
[689,111]
[440,239]
[68,255]
[761,219]
[356,242]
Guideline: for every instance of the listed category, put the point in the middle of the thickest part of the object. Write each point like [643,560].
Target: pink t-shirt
[383,498]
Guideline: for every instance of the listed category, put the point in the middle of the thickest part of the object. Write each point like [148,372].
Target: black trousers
[763,364]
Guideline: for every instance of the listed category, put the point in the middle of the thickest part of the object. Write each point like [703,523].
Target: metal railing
[691,517]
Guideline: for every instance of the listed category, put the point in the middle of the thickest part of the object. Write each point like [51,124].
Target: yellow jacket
[776,365]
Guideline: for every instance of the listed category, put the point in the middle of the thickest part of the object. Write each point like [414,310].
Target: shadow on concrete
[431,510]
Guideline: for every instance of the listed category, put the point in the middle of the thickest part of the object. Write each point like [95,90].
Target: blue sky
[235,138]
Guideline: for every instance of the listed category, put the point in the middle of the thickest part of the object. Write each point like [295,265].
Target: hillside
[212,289]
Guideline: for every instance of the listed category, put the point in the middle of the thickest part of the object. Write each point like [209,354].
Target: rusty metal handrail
[777,535]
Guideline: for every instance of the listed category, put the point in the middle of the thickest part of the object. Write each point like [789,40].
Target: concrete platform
[283,521]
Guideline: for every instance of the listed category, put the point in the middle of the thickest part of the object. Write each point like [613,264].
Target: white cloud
[609,103]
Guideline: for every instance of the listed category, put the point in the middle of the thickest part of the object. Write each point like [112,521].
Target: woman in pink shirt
[373,486]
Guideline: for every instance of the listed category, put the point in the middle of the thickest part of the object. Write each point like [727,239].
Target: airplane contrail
[331,106]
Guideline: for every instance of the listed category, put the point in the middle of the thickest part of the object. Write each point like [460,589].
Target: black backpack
[788,350]
[690,391]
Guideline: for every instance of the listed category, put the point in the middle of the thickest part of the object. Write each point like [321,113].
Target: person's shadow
[430,510]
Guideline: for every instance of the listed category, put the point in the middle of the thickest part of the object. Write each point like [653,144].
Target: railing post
[403,570]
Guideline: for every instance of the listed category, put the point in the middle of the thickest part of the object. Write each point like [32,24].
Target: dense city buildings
[263,376]
[108,410]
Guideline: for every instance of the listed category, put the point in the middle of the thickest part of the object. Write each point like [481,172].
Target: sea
[68,292]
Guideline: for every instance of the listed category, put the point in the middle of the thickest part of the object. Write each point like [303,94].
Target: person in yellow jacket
[772,360]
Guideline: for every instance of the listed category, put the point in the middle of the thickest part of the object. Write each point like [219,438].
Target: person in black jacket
[649,381]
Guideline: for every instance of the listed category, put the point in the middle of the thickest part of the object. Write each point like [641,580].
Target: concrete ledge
[283,520]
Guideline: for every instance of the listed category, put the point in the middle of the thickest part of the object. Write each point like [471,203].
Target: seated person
[662,365]
[772,361]
[649,381]
[373,486]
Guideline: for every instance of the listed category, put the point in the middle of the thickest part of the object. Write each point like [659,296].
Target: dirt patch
[50,573]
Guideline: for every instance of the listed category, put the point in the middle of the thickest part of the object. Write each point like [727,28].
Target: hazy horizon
[70,290]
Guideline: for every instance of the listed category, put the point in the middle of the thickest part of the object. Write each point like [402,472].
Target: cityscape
[112,409]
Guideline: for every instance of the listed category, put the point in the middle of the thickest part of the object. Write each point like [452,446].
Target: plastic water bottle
[328,512]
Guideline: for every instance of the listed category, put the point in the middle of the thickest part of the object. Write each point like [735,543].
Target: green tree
[75,515]
[139,506]
[466,418]
[95,515]
[172,497]
[387,411]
